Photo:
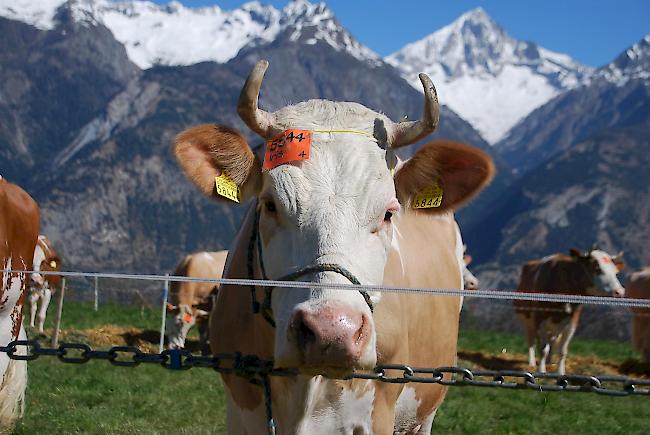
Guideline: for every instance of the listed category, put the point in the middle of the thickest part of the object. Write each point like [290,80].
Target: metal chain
[257,370]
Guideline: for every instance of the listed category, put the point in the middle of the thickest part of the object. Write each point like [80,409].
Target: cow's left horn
[256,119]
[406,133]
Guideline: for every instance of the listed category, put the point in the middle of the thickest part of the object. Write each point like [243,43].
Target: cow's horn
[256,119]
[406,133]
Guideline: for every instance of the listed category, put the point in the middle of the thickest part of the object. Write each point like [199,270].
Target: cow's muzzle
[331,337]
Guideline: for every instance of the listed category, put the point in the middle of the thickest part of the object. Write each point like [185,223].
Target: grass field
[99,398]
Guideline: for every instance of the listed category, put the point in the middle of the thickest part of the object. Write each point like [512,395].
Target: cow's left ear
[460,170]
[467,259]
[207,151]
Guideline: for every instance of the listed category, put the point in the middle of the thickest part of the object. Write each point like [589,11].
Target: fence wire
[561,296]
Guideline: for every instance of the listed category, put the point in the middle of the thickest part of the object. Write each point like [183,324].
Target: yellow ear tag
[429,197]
[226,187]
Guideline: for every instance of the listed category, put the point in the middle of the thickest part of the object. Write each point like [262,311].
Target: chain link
[256,370]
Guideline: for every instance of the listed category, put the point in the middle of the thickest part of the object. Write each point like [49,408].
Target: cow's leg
[544,348]
[33,300]
[530,337]
[42,311]
[425,429]
[563,344]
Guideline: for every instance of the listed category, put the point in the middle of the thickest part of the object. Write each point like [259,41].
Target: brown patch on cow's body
[19,224]
[638,287]
[430,322]
[234,327]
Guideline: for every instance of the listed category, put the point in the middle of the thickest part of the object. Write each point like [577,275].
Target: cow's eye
[270,206]
[388,216]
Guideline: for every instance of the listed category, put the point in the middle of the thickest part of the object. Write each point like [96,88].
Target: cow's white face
[179,322]
[335,208]
[605,281]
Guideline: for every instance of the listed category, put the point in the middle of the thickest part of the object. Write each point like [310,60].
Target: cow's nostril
[304,334]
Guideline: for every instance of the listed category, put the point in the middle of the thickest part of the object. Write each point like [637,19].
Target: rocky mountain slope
[112,196]
[618,94]
[486,76]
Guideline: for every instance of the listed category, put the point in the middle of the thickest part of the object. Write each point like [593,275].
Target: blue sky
[591,31]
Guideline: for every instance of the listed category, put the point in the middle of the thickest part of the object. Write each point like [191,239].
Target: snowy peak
[485,75]
[174,34]
[309,23]
[633,63]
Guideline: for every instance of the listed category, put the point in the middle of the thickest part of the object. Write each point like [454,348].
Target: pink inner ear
[606,259]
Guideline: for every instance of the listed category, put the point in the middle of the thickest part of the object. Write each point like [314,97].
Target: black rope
[265,307]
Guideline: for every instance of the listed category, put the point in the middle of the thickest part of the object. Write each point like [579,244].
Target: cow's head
[46,259]
[470,282]
[180,319]
[602,269]
[336,207]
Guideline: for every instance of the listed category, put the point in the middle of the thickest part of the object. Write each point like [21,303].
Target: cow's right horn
[256,119]
[406,133]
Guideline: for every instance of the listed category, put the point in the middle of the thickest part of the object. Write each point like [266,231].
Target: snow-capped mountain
[486,76]
[633,63]
[174,34]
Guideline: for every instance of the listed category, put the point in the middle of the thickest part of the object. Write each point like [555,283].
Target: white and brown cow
[19,224]
[638,287]
[191,302]
[470,281]
[43,286]
[337,217]
[552,324]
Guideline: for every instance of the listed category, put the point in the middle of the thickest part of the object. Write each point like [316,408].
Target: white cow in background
[43,287]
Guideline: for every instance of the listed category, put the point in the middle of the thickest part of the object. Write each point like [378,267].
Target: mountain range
[93,92]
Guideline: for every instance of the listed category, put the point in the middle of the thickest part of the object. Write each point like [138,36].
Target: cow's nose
[331,336]
[619,292]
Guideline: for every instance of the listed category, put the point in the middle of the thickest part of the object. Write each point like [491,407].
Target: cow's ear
[207,151]
[459,170]
[618,261]
[575,253]
[467,259]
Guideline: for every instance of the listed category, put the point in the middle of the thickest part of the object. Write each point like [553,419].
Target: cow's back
[208,265]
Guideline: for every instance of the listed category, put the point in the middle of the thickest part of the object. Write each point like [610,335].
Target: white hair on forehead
[324,114]
[346,172]
[604,261]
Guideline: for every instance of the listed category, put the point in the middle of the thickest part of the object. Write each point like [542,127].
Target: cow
[470,282]
[343,213]
[19,225]
[638,287]
[552,324]
[191,302]
[43,287]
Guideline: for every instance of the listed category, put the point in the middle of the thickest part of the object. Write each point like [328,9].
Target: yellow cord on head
[345,131]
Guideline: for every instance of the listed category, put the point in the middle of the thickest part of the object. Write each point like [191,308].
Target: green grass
[495,342]
[99,398]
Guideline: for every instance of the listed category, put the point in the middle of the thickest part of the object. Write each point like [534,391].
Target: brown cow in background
[552,324]
[638,287]
[19,223]
[191,302]
[43,286]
